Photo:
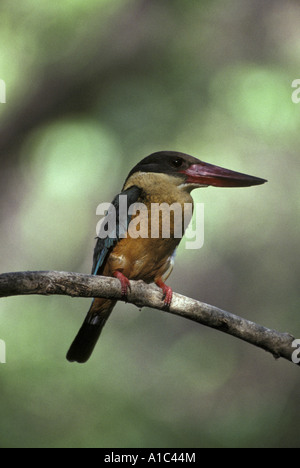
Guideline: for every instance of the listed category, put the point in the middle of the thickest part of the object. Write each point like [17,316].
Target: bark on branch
[143,295]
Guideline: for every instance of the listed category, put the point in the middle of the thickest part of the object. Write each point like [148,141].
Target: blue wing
[115,226]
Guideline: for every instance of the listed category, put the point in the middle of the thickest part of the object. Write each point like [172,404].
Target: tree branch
[143,295]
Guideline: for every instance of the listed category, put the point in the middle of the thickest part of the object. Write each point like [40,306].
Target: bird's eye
[177,162]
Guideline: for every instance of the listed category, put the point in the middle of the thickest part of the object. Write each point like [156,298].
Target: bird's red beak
[208,174]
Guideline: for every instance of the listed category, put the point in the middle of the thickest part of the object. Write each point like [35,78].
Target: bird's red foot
[167,292]
[125,283]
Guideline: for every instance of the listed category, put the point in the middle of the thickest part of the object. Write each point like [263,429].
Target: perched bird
[163,177]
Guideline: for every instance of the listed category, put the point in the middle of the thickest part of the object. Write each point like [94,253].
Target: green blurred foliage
[206,78]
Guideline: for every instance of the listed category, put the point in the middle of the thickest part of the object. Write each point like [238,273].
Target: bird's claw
[125,283]
[167,293]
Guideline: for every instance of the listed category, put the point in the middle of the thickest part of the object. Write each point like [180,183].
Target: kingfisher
[163,177]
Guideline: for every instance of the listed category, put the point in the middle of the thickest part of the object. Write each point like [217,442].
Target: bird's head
[188,172]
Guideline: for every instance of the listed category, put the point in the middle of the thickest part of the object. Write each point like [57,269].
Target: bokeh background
[92,87]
